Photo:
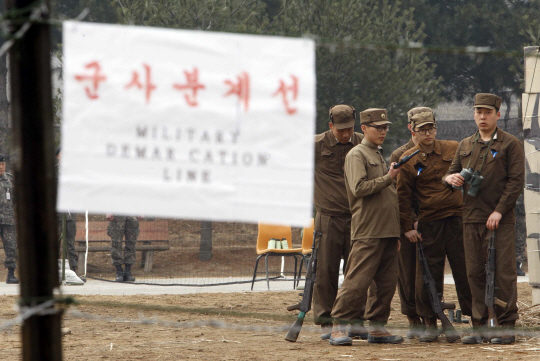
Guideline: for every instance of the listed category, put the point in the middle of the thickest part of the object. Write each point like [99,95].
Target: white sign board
[187,124]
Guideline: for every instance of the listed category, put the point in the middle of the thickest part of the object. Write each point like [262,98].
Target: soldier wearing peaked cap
[407,252]
[7,221]
[333,218]
[439,225]
[499,158]
[374,234]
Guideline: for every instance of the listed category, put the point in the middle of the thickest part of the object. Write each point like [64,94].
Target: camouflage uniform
[71,231]
[521,231]
[119,226]
[7,220]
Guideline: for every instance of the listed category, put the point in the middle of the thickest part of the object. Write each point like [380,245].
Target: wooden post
[205,250]
[35,193]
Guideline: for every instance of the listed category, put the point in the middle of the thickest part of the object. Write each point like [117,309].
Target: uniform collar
[410,144]
[334,141]
[498,137]
[369,144]
[436,149]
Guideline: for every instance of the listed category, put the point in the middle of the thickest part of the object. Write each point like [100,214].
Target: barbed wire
[527,332]
[39,8]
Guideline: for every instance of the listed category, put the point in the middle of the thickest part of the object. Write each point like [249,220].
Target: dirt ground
[119,339]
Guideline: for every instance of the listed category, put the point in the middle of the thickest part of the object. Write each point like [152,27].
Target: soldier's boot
[11,279]
[416,327]
[128,277]
[432,333]
[326,331]
[119,274]
[358,331]
[520,272]
[476,336]
[338,336]
[507,335]
[379,334]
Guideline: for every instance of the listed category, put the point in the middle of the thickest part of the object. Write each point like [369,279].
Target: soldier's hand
[455,180]
[109,217]
[493,220]
[413,236]
[393,172]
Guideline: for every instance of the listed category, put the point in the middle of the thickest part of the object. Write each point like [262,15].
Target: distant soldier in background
[118,227]
[71,224]
[407,252]
[521,235]
[7,221]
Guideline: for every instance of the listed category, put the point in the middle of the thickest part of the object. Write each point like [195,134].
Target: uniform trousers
[7,232]
[407,277]
[370,260]
[443,238]
[333,246]
[71,231]
[476,238]
[118,227]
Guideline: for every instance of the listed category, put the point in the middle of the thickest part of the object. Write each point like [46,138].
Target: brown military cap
[420,116]
[374,116]
[343,116]
[486,100]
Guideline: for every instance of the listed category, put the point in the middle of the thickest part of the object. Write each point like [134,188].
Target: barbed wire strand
[36,13]
[45,309]
[406,46]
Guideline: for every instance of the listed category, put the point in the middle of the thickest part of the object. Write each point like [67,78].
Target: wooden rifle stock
[305,305]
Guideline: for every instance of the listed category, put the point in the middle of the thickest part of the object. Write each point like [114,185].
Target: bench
[154,236]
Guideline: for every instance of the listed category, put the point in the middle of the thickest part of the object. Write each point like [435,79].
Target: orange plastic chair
[307,242]
[266,232]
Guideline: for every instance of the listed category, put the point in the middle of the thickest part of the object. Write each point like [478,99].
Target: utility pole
[33,166]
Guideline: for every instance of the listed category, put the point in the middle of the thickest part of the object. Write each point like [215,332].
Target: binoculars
[472,178]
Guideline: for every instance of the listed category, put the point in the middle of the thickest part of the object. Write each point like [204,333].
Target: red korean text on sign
[241,89]
[193,84]
[95,79]
[284,90]
[148,86]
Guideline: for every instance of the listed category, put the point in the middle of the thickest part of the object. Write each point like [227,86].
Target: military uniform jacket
[330,194]
[7,213]
[421,177]
[372,194]
[503,172]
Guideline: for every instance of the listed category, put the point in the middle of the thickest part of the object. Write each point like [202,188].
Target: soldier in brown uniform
[407,251]
[374,233]
[439,216]
[500,159]
[333,217]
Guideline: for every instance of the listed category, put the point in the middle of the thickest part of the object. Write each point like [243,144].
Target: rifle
[436,304]
[305,305]
[405,159]
[490,299]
